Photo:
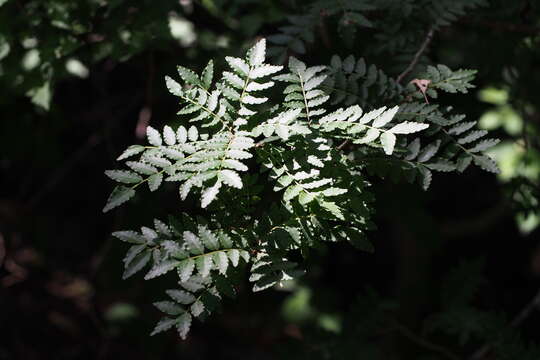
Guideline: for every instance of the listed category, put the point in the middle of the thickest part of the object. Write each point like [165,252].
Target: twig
[425,343]
[523,314]
[324,33]
[343,144]
[416,57]
[410,67]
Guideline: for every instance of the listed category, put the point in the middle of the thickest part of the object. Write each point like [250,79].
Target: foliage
[324,190]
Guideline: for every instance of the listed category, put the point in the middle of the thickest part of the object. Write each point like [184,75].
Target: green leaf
[429,151]
[130,151]
[163,325]
[257,53]
[461,127]
[234,164]
[185,269]
[142,168]
[314,82]
[425,177]
[408,128]
[154,137]
[161,268]
[388,141]
[292,192]
[181,296]
[282,131]
[254,86]
[188,76]
[241,143]
[132,252]
[209,240]
[210,194]
[334,191]
[169,308]
[183,325]
[181,134]
[193,133]
[239,65]
[442,165]
[120,195]
[129,237]
[158,161]
[484,145]
[332,208]
[296,66]
[234,80]
[366,118]
[204,265]
[225,240]
[137,264]
[472,136]
[123,176]
[463,162]
[208,74]
[197,308]
[174,87]
[169,136]
[385,117]
[234,256]
[221,261]
[194,244]
[41,96]
[486,163]
[305,197]
[414,149]
[262,71]
[154,181]
[231,178]
[371,135]
[195,283]
[248,99]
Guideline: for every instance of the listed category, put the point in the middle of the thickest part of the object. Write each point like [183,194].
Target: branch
[522,316]
[416,58]
[343,144]
[425,343]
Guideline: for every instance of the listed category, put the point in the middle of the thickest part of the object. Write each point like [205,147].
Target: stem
[522,316]
[425,343]
[416,58]
[304,96]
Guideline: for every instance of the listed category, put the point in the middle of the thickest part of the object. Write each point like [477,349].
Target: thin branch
[518,320]
[410,67]
[416,58]
[343,144]
[425,343]
[324,33]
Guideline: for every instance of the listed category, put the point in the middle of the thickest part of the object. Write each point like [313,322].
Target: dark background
[61,293]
